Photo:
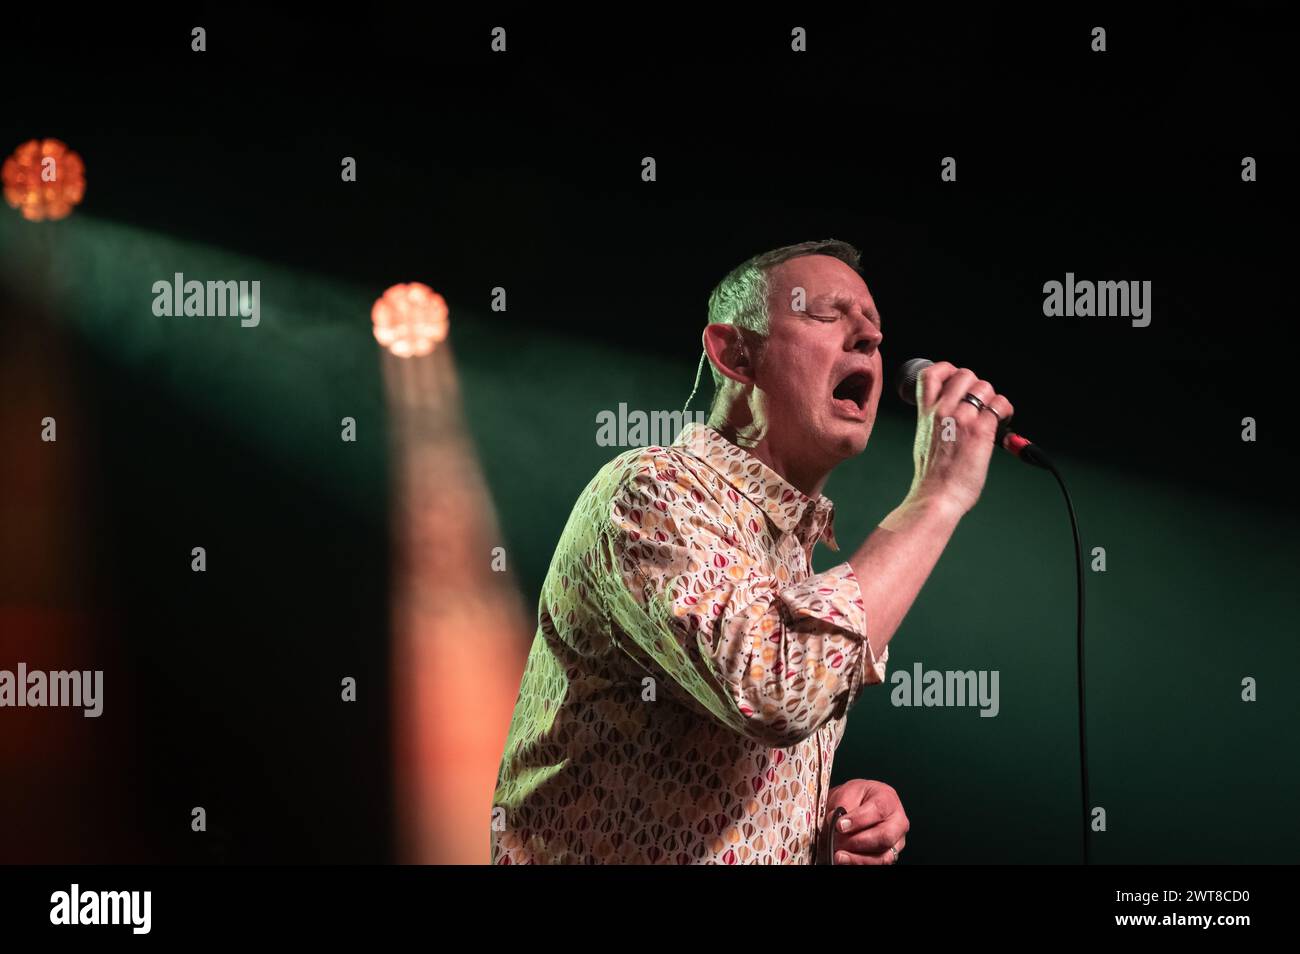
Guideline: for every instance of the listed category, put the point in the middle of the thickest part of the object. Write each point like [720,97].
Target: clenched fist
[954,437]
[874,829]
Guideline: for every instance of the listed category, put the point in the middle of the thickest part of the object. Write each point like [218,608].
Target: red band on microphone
[1014,443]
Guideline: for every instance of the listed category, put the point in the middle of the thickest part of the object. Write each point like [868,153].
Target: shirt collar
[809,518]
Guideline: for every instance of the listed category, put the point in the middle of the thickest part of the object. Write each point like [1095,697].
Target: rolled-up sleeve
[770,657]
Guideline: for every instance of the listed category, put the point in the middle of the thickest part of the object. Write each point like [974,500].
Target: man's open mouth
[851,393]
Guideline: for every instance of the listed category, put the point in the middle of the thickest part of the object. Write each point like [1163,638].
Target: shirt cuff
[835,598]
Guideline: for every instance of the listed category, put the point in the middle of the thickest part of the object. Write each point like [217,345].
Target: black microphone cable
[1042,460]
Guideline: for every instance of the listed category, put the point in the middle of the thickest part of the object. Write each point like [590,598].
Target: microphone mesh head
[907,378]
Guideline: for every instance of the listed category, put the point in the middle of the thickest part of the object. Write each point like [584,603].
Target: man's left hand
[876,828]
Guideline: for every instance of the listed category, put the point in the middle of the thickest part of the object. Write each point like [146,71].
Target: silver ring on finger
[974,402]
[989,408]
[895,851]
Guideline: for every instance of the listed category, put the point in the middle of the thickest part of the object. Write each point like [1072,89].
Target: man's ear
[729,352]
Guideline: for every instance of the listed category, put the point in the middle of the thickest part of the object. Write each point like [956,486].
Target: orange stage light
[44,179]
[410,319]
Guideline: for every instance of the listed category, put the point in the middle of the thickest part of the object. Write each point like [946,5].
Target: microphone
[1021,448]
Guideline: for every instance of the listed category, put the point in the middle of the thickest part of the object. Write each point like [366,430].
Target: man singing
[690,677]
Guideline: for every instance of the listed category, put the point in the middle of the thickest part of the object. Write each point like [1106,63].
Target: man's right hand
[954,439]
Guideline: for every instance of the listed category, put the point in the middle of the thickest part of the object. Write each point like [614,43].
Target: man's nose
[866,337]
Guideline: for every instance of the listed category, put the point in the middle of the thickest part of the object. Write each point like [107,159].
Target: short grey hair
[741,298]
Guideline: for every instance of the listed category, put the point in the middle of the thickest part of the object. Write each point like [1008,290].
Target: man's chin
[845,438]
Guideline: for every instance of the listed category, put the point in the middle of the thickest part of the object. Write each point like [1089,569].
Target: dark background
[523,171]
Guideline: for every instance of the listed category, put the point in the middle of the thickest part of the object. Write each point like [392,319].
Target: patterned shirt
[690,676]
